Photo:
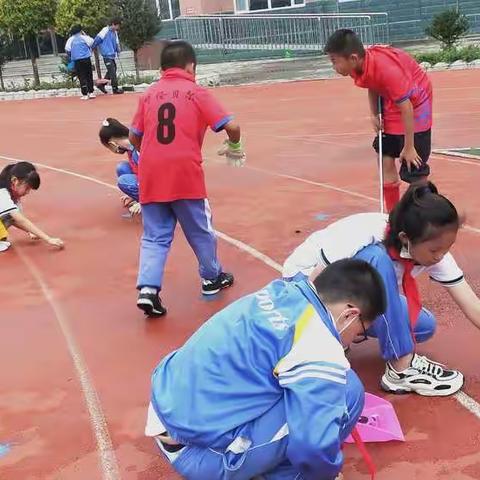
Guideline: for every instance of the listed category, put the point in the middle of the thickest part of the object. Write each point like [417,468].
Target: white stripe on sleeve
[312,374]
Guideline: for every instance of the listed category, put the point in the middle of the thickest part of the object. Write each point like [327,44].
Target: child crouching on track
[114,136]
[16,181]
[415,238]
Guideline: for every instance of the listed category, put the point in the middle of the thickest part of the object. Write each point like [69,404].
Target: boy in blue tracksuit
[264,388]
[109,44]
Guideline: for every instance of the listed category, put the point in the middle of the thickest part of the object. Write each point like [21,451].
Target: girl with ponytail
[416,237]
[16,181]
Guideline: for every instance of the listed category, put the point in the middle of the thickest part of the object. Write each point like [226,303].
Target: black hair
[353,281]
[344,42]
[421,213]
[177,54]
[24,171]
[76,29]
[116,21]
[112,128]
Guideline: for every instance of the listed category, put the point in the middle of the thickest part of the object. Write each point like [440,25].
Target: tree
[447,27]
[27,18]
[93,15]
[6,54]
[140,23]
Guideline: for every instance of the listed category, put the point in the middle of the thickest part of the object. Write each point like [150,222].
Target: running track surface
[77,355]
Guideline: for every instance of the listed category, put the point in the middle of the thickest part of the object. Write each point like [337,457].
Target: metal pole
[380,153]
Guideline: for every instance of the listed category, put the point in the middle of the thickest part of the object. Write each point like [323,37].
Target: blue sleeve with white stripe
[100,37]
[315,404]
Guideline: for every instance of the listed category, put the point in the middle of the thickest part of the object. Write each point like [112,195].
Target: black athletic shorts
[393,146]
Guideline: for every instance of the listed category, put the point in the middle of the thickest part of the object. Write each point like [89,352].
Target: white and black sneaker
[211,287]
[424,377]
[151,304]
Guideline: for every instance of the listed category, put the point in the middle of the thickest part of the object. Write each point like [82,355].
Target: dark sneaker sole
[149,310]
[213,292]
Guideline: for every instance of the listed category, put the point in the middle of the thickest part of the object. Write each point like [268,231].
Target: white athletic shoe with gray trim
[424,377]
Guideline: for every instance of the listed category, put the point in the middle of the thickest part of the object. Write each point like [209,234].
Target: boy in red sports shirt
[406,93]
[168,130]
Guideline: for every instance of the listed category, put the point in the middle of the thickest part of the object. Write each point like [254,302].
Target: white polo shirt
[346,237]
[7,207]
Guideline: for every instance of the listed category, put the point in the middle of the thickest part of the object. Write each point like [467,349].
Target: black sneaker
[102,88]
[118,91]
[211,287]
[151,304]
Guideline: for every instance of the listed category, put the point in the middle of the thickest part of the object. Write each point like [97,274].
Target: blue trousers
[159,221]
[127,181]
[266,457]
[393,332]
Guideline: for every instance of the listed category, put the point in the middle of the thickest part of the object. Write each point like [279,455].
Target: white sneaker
[424,377]
[84,97]
[92,95]
[4,245]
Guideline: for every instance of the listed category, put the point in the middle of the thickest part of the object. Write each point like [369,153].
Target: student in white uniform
[16,181]
[421,230]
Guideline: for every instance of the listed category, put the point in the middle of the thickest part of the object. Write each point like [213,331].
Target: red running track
[70,330]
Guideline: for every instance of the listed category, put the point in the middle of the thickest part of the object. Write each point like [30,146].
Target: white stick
[380,154]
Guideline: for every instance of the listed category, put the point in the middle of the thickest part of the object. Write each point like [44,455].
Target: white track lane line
[465,400]
[108,461]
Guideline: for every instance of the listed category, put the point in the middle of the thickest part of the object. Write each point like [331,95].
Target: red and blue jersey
[172,118]
[396,77]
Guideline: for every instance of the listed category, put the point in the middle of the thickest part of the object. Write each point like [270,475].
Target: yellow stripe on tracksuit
[3,231]
[300,327]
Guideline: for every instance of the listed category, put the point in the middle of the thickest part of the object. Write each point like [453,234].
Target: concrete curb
[210,80]
[457,65]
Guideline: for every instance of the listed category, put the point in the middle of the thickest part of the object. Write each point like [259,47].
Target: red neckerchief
[410,287]
[363,450]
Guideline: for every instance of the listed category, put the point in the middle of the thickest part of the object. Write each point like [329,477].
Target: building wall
[201,7]
[407,18]
[218,6]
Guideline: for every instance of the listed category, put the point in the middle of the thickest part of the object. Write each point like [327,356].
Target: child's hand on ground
[56,242]
[33,236]
[411,158]
[234,153]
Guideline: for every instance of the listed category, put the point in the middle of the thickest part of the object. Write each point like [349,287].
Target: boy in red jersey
[168,130]
[406,94]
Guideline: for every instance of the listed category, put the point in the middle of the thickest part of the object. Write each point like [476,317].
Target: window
[168,9]
[245,6]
